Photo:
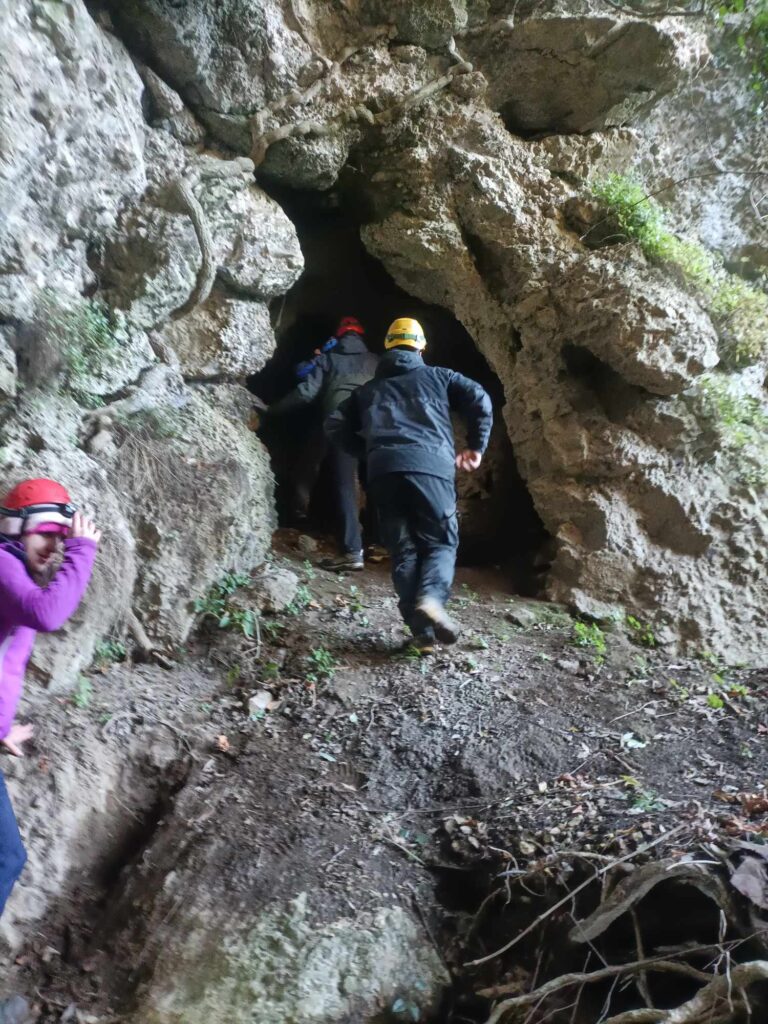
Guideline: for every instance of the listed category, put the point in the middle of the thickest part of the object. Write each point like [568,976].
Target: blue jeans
[13,856]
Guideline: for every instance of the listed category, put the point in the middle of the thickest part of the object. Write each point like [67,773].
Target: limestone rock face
[224,338]
[73,144]
[200,491]
[590,71]
[632,319]
[583,343]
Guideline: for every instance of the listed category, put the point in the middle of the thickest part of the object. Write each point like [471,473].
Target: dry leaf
[222,744]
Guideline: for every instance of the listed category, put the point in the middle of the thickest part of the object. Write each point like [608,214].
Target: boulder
[272,589]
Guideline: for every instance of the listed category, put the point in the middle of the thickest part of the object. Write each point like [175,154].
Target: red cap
[349,323]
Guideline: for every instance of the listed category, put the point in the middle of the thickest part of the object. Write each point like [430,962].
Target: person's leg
[13,856]
[393,519]
[436,532]
[306,469]
[344,469]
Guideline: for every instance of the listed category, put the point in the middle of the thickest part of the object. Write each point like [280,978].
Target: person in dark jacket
[401,423]
[329,379]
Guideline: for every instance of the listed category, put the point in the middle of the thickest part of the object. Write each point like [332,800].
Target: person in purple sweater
[47,550]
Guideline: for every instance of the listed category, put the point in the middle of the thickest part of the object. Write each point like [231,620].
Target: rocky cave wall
[135,138]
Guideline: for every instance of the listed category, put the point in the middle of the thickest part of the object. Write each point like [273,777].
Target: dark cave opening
[498,522]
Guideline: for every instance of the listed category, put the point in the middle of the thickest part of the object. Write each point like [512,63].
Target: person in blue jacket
[342,365]
[401,423]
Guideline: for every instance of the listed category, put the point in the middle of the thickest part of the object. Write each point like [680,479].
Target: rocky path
[309,823]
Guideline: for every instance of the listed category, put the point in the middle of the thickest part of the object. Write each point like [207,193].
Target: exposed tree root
[181,191]
[720,999]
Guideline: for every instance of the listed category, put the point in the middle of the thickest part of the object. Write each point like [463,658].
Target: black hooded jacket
[401,420]
[337,374]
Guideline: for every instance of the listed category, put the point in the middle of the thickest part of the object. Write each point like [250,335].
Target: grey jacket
[336,375]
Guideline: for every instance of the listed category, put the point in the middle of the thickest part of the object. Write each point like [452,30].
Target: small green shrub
[216,603]
[589,634]
[83,692]
[302,600]
[109,650]
[739,310]
[322,664]
[640,632]
[741,425]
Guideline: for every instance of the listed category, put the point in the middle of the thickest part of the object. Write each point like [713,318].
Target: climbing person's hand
[84,527]
[468,460]
[17,735]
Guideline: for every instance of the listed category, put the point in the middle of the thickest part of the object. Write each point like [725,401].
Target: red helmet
[347,324]
[35,504]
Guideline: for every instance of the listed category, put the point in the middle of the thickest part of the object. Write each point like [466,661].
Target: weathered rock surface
[73,141]
[590,71]
[581,343]
[224,338]
[243,926]
[200,491]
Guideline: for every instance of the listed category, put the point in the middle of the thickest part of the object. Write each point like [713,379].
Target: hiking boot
[350,561]
[15,1010]
[446,629]
[424,643]
[375,553]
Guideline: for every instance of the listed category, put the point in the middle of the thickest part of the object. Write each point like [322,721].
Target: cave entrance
[498,523]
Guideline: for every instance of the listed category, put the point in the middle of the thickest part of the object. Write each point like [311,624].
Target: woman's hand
[17,735]
[84,527]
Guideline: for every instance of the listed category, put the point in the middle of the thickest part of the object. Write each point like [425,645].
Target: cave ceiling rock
[72,144]
[256,246]
[429,24]
[561,74]
[202,504]
[224,338]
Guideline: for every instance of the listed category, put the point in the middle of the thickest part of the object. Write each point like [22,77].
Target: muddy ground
[359,770]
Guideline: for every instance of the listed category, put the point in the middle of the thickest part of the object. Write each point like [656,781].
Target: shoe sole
[446,630]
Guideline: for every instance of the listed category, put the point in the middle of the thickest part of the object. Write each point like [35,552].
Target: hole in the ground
[499,524]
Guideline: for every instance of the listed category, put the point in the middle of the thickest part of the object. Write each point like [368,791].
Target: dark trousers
[417,520]
[344,471]
[13,856]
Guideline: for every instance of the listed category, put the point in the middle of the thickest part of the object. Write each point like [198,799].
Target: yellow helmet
[405,331]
